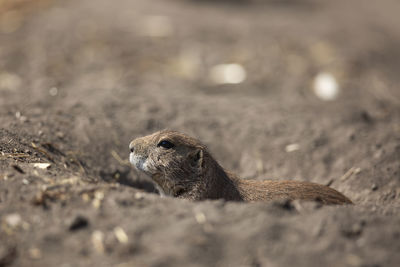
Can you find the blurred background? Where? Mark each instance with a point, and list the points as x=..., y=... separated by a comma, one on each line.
x=301, y=89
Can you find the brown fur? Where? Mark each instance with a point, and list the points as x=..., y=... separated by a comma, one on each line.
x=189, y=171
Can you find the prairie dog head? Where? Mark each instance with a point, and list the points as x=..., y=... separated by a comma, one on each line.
x=173, y=160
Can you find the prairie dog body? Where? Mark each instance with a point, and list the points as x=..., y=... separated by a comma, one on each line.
x=182, y=167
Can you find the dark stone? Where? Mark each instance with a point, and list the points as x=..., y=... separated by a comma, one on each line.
x=78, y=223
x=366, y=117
x=18, y=169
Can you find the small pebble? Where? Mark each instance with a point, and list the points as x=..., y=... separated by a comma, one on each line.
x=13, y=220
x=42, y=165
x=98, y=198
x=292, y=148
x=18, y=169
x=325, y=86
x=60, y=135
x=228, y=74
x=23, y=119
x=78, y=223
x=366, y=117
x=139, y=195
x=53, y=91
x=121, y=235
x=19, y=116
x=200, y=217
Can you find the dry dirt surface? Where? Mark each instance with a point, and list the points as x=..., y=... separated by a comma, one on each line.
x=80, y=79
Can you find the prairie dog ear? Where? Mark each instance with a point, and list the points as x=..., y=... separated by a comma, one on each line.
x=196, y=158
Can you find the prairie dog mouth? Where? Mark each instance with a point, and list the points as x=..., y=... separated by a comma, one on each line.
x=138, y=162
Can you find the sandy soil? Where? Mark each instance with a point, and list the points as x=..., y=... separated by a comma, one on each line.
x=80, y=79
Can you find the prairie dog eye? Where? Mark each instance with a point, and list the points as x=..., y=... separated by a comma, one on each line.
x=166, y=144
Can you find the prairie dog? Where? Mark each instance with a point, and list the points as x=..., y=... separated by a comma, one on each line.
x=182, y=167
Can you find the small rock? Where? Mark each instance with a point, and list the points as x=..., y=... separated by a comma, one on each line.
x=292, y=147
x=60, y=135
x=23, y=119
x=78, y=223
x=228, y=74
x=99, y=195
x=19, y=116
x=200, y=217
x=366, y=117
x=18, y=169
x=8, y=175
x=121, y=235
x=13, y=220
x=42, y=165
x=53, y=91
x=139, y=195
x=374, y=187
x=98, y=198
x=325, y=86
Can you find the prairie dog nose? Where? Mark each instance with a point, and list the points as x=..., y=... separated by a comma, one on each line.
x=131, y=147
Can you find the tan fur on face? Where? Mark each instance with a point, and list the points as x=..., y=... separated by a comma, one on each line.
x=171, y=169
x=188, y=170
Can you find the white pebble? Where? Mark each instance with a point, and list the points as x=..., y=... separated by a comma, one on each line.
x=41, y=165
x=200, y=217
x=13, y=220
x=53, y=91
x=228, y=74
x=292, y=148
x=325, y=86
x=121, y=235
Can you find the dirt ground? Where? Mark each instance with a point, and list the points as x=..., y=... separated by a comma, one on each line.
x=80, y=79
